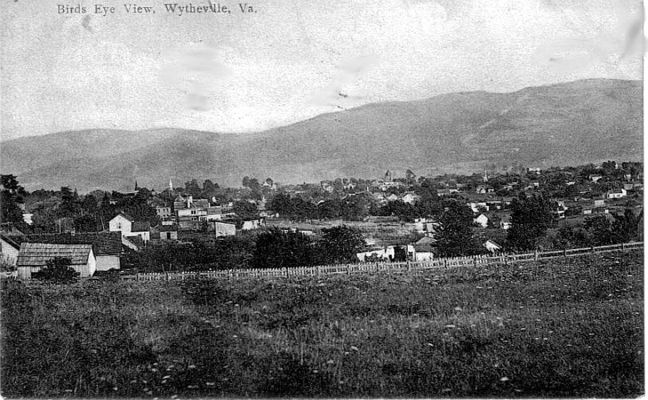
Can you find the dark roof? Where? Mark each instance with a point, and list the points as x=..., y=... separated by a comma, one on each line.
x=128, y=217
x=8, y=228
x=103, y=243
x=426, y=240
x=167, y=228
x=140, y=226
x=136, y=240
x=37, y=254
x=424, y=248
x=10, y=241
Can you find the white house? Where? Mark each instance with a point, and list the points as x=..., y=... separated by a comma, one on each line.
x=482, y=220
x=107, y=249
x=617, y=194
x=121, y=223
x=382, y=253
x=34, y=256
x=424, y=249
x=386, y=253
x=141, y=229
x=410, y=198
x=223, y=229
x=163, y=212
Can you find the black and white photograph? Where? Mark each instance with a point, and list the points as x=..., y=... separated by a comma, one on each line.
x=321, y=199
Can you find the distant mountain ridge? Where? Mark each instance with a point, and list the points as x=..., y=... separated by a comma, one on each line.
x=562, y=124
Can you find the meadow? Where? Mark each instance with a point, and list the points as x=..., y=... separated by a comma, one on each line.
x=560, y=328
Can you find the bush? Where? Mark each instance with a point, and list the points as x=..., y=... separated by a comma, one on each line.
x=57, y=271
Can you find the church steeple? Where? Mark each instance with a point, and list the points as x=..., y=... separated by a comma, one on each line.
x=170, y=185
x=136, y=187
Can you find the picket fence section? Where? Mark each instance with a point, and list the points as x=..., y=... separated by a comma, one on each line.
x=384, y=267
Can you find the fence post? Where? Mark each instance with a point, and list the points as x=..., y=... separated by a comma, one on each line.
x=622, y=246
x=565, y=253
x=348, y=267
x=535, y=254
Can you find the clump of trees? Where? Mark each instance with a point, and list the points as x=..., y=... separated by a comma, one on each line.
x=530, y=218
x=270, y=248
x=276, y=248
x=455, y=236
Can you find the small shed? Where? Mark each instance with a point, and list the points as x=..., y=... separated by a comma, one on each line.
x=224, y=229
x=34, y=256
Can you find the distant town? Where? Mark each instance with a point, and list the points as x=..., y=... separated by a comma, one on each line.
x=265, y=224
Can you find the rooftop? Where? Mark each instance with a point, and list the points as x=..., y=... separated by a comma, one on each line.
x=37, y=254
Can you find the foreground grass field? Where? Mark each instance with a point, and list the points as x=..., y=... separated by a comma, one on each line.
x=561, y=328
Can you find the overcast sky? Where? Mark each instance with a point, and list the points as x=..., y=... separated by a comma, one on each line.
x=292, y=60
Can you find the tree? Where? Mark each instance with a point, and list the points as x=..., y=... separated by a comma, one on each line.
x=530, y=219
x=626, y=227
x=89, y=204
x=280, y=249
x=281, y=203
x=329, y=209
x=571, y=237
x=12, y=194
x=209, y=186
x=455, y=236
x=340, y=244
x=600, y=231
x=69, y=202
x=410, y=177
x=57, y=270
x=192, y=188
x=245, y=209
x=85, y=223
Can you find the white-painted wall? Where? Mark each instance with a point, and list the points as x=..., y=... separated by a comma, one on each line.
x=120, y=224
x=105, y=263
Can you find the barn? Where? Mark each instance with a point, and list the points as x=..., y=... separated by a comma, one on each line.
x=34, y=256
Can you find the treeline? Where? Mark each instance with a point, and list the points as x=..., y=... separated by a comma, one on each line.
x=270, y=248
x=355, y=207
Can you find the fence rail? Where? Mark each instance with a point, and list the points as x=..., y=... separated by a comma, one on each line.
x=392, y=267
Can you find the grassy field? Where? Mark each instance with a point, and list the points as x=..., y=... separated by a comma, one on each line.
x=567, y=328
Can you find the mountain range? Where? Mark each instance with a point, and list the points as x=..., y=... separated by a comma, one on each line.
x=562, y=124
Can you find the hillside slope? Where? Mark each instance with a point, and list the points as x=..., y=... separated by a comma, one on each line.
x=563, y=124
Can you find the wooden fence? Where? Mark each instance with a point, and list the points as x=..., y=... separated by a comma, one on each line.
x=385, y=267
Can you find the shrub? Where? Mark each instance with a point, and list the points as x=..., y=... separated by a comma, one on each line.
x=57, y=271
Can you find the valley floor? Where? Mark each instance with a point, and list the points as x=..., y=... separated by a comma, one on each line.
x=559, y=328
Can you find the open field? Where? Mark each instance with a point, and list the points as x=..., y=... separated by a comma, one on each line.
x=563, y=327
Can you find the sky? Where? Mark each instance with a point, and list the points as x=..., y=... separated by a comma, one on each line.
x=291, y=60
